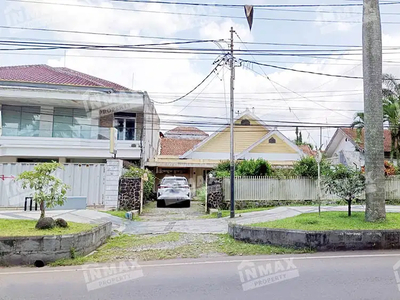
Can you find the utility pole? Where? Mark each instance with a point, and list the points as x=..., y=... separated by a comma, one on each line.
x=232, y=148
x=373, y=110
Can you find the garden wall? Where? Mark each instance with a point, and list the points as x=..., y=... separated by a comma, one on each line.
x=129, y=195
x=28, y=250
x=334, y=240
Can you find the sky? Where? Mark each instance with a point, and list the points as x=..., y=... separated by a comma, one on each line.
x=273, y=94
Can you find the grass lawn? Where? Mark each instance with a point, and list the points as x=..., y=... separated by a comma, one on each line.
x=120, y=214
x=27, y=228
x=126, y=247
x=333, y=221
x=226, y=213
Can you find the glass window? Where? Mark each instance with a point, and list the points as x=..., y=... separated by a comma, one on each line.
x=125, y=128
x=20, y=120
x=72, y=123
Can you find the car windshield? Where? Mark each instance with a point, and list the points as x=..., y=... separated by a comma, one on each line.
x=180, y=181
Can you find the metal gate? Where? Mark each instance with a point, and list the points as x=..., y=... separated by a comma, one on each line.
x=84, y=180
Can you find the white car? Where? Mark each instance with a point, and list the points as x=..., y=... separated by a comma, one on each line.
x=173, y=190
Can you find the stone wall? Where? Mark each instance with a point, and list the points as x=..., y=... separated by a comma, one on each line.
x=129, y=196
x=335, y=240
x=28, y=250
x=215, y=195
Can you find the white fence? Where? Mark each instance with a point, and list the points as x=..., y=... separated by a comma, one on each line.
x=84, y=179
x=272, y=189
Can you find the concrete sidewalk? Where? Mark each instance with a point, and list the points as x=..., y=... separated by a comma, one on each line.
x=185, y=226
x=221, y=225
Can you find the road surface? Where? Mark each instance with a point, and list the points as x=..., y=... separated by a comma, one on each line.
x=339, y=275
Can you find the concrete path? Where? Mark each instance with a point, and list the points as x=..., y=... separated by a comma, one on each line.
x=329, y=276
x=221, y=225
x=186, y=226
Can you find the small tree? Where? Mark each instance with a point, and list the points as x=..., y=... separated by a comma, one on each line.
x=258, y=167
x=49, y=190
x=345, y=183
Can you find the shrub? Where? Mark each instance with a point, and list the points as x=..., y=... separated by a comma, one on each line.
x=308, y=167
x=283, y=173
x=135, y=172
x=259, y=167
x=201, y=194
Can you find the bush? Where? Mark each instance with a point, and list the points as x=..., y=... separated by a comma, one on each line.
x=308, y=167
x=201, y=194
x=135, y=172
x=283, y=173
x=259, y=167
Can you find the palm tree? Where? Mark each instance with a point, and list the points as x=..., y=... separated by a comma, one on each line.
x=372, y=74
x=391, y=114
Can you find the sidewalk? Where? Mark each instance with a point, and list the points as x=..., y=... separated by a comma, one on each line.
x=185, y=226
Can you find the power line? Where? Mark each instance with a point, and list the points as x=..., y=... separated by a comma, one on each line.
x=242, y=5
x=301, y=71
x=192, y=90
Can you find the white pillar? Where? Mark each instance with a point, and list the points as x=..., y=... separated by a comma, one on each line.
x=113, y=173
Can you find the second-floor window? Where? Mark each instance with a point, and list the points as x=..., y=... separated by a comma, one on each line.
x=125, y=123
x=72, y=123
x=20, y=120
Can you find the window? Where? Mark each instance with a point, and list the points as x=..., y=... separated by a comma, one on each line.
x=72, y=123
x=20, y=120
x=272, y=141
x=126, y=127
x=245, y=122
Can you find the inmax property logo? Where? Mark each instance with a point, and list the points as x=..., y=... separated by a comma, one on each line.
x=254, y=276
x=97, y=277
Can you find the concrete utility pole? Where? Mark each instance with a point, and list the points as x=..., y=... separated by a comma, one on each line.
x=232, y=148
x=372, y=74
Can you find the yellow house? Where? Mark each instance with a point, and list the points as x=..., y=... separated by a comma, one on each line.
x=189, y=152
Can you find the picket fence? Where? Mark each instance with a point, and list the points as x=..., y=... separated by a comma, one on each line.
x=84, y=180
x=293, y=189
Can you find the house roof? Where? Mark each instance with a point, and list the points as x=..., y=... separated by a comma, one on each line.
x=204, y=141
x=193, y=131
x=307, y=150
x=170, y=146
x=44, y=74
x=352, y=134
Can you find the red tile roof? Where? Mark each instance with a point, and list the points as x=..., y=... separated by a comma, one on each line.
x=44, y=74
x=352, y=133
x=186, y=131
x=307, y=150
x=177, y=146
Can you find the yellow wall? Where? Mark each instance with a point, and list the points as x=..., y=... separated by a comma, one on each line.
x=244, y=138
x=279, y=147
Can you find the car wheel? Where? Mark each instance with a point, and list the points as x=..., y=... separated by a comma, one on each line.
x=186, y=203
x=160, y=203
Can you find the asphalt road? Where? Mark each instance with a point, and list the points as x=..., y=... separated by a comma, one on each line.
x=355, y=275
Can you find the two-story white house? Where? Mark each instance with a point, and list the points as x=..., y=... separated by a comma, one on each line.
x=60, y=114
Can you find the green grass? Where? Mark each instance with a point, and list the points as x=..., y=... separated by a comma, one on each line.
x=120, y=214
x=226, y=213
x=333, y=221
x=126, y=247
x=27, y=228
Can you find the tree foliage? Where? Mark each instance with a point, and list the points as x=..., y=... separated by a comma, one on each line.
x=148, y=186
x=345, y=183
x=308, y=167
x=49, y=190
x=258, y=167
